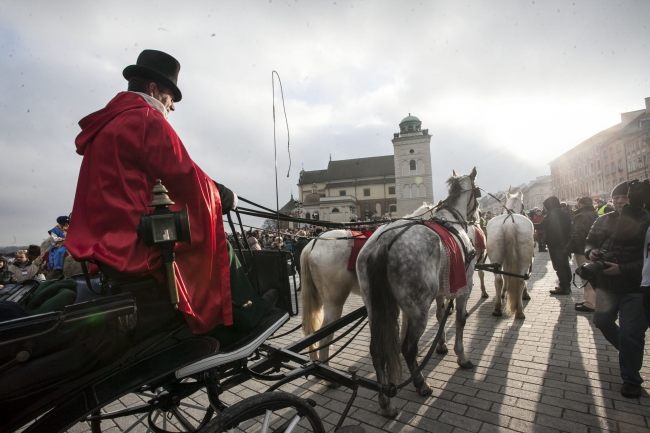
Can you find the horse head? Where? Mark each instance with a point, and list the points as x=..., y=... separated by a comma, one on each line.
x=515, y=202
x=463, y=194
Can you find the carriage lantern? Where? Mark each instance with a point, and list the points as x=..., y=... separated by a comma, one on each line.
x=163, y=228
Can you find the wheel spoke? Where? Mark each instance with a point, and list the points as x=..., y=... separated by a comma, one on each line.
x=135, y=424
x=192, y=406
x=184, y=421
x=267, y=419
x=294, y=422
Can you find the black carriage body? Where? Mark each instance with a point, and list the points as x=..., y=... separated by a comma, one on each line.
x=60, y=366
x=270, y=270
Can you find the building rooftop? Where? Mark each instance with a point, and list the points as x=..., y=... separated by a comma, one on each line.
x=374, y=166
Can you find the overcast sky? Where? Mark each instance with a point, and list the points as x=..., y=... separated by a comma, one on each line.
x=503, y=85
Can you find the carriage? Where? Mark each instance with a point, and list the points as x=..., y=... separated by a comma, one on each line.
x=46, y=385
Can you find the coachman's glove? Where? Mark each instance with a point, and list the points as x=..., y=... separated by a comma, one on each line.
x=229, y=199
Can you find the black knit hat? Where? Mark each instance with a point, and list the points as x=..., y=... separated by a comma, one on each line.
x=586, y=201
x=157, y=66
x=621, y=189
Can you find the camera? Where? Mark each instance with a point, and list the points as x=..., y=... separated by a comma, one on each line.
x=589, y=271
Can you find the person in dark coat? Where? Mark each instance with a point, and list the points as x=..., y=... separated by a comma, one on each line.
x=557, y=228
x=583, y=219
x=616, y=243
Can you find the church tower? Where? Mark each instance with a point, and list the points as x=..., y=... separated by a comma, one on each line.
x=413, y=177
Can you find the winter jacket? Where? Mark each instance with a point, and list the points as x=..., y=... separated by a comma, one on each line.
x=620, y=237
x=556, y=224
x=583, y=219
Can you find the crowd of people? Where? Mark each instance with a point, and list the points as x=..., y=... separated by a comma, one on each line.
x=44, y=262
x=610, y=245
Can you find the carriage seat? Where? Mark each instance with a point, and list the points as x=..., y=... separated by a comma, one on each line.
x=238, y=345
x=40, y=349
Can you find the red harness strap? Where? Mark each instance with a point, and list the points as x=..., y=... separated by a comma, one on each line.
x=360, y=238
x=457, y=276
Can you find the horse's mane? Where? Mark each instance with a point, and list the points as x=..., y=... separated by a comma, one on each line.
x=455, y=189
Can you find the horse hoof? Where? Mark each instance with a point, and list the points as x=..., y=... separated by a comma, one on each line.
x=425, y=390
x=466, y=365
x=484, y=295
x=497, y=313
x=520, y=316
x=442, y=350
x=525, y=297
x=389, y=412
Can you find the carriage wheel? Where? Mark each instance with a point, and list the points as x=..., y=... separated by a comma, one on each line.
x=154, y=410
x=268, y=412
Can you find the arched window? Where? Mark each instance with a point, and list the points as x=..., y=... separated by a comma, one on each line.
x=315, y=215
x=407, y=191
x=307, y=215
x=335, y=210
x=412, y=165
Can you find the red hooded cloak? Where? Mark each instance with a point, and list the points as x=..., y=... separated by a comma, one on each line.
x=126, y=146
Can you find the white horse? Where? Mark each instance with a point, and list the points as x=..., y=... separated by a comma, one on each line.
x=325, y=283
x=477, y=236
x=404, y=266
x=510, y=244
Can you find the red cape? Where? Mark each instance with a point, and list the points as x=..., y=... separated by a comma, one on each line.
x=127, y=146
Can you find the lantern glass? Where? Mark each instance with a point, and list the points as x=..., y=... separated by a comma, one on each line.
x=164, y=228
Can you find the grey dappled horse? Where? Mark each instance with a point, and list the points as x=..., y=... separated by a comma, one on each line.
x=510, y=244
x=405, y=266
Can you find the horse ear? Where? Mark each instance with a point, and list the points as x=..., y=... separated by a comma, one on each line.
x=472, y=175
x=509, y=188
x=453, y=172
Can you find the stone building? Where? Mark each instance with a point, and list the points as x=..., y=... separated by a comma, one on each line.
x=536, y=191
x=599, y=163
x=372, y=187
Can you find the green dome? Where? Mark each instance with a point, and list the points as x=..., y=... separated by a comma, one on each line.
x=410, y=124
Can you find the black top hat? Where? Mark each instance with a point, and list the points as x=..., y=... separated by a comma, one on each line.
x=158, y=66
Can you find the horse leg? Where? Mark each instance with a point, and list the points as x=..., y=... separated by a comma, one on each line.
x=441, y=348
x=498, y=285
x=525, y=296
x=461, y=319
x=332, y=311
x=481, y=277
x=521, y=289
x=415, y=328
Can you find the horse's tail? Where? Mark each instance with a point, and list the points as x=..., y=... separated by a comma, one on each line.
x=312, y=304
x=384, y=313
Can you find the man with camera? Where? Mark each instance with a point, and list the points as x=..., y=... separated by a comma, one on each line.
x=614, y=247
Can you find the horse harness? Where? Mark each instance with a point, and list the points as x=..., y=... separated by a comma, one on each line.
x=468, y=251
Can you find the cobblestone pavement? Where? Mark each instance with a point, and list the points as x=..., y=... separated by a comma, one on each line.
x=552, y=372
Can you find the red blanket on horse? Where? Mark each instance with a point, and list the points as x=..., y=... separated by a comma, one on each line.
x=457, y=276
x=479, y=241
x=360, y=238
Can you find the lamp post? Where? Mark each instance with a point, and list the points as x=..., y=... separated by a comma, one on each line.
x=163, y=228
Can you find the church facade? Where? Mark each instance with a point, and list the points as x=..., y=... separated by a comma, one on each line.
x=373, y=187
